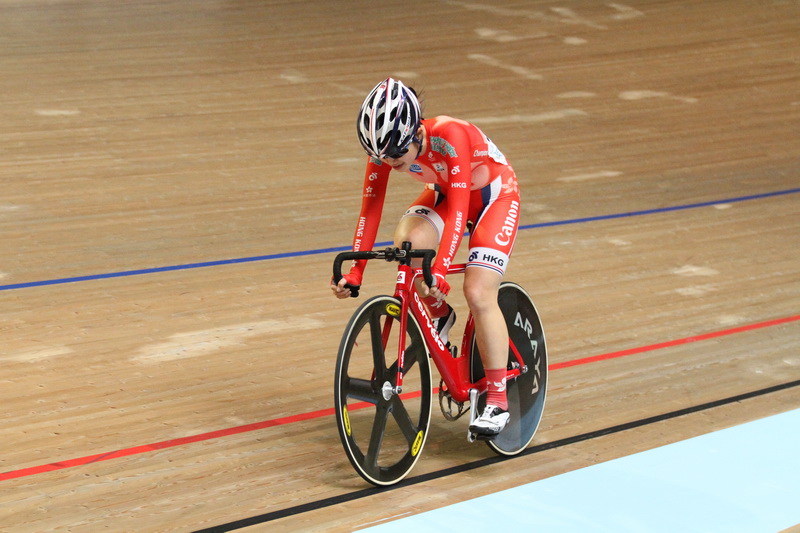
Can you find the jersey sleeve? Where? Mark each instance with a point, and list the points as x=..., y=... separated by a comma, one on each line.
x=376, y=179
x=457, y=191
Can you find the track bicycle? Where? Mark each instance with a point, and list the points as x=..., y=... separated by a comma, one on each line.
x=383, y=390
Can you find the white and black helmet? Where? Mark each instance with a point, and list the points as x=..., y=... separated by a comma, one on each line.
x=388, y=119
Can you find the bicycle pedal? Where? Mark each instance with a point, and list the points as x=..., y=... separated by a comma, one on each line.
x=472, y=437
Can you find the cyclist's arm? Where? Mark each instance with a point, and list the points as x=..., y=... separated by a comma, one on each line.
x=458, y=194
x=373, y=192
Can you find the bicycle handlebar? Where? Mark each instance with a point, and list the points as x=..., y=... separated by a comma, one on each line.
x=389, y=254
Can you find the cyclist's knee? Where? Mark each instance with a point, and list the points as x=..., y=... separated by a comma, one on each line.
x=416, y=231
x=480, y=292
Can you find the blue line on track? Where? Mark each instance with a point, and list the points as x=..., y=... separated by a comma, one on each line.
x=663, y=209
x=318, y=251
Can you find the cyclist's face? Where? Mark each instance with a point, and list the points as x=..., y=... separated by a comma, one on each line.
x=404, y=161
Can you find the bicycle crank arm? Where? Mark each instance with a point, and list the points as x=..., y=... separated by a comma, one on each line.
x=473, y=413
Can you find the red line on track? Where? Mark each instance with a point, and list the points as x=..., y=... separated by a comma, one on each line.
x=172, y=443
x=678, y=342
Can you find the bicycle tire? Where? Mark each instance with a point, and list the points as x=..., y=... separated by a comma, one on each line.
x=528, y=392
x=382, y=437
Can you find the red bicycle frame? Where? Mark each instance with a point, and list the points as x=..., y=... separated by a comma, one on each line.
x=455, y=371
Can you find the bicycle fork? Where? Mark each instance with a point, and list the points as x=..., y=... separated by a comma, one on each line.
x=403, y=271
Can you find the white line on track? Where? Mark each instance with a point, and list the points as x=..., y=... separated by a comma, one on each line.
x=208, y=341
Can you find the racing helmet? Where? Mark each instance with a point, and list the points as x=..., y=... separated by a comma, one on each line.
x=388, y=119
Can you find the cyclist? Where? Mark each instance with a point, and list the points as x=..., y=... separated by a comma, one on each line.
x=467, y=179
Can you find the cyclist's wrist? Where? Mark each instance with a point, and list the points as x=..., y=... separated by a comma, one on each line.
x=439, y=270
x=355, y=276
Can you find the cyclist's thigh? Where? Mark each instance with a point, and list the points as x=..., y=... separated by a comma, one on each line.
x=493, y=236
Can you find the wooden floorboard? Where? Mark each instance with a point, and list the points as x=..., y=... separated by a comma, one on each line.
x=173, y=174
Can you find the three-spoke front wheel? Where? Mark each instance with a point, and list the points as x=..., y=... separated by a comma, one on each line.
x=382, y=429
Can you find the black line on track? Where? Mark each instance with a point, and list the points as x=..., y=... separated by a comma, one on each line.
x=364, y=493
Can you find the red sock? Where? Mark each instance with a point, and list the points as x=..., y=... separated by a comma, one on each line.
x=438, y=308
x=496, y=393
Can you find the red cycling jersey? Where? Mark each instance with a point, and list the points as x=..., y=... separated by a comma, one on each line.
x=467, y=178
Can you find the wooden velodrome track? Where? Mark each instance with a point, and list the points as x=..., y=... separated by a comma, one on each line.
x=175, y=176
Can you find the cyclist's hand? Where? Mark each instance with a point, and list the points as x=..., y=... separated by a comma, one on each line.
x=342, y=292
x=440, y=287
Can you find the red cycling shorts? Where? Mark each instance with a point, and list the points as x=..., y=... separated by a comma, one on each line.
x=493, y=212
